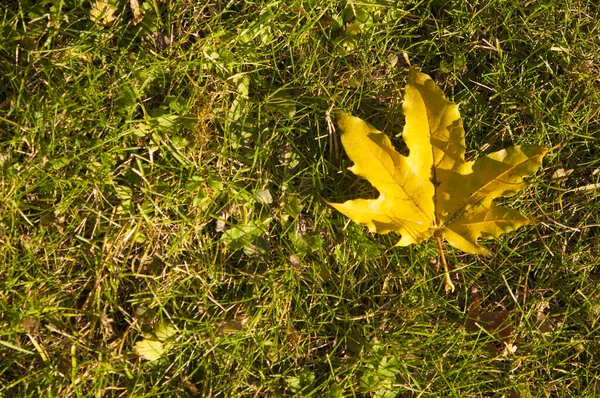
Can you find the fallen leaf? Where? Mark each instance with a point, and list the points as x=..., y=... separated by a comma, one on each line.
x=152, y=349
x=499, y=324
x=149, y=349
x=496, y=323
x=103, y=12
x=164, y=332
x=230, y=327
x=264, y=197
x=434, y=191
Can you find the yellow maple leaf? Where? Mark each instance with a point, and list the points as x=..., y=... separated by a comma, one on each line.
x=434, y=191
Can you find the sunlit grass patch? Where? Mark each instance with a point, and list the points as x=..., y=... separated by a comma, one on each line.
x=166, y=170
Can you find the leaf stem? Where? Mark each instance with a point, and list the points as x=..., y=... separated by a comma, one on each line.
x=449, y=286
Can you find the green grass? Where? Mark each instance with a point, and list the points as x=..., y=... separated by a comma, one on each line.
x=181, y=182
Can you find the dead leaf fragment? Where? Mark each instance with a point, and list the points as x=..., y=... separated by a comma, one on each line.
x=561, y=174
x=509, y=349
x=31, y=325
x=543, y=323
x=434, y=190
x=295, y=261
x=191, y=388
x=137, y=13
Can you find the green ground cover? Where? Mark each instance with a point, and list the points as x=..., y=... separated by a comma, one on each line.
x=163, y=176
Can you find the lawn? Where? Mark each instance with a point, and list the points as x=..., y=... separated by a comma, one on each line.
x=165, y=170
